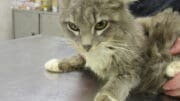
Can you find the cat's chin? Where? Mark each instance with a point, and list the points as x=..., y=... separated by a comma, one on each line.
x=98, y=60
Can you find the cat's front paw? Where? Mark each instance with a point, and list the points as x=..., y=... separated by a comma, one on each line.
x=103, y=96
x=173, y=68
x=53, y=65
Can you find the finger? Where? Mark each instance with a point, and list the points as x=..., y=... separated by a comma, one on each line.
x=174, y=93
x=176, y=48
x=173, y=84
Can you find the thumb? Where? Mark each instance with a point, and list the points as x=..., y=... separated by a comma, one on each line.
x=176, y=48
x=173, y=84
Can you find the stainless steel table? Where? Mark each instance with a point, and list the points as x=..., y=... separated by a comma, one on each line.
x=23, y=77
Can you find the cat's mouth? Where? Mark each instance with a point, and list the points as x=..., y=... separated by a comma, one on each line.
x=96, y=51
x=90, y=49
x=111, y=48
x=87, y=48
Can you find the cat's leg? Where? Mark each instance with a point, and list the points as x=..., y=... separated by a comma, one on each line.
x=117, y=89
x=65, y=65
x=173, y=68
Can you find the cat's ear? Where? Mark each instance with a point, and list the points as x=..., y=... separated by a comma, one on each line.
x=116, y=3
x=128, y=1
x=64, y=3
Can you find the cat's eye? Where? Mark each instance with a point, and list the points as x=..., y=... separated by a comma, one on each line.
x=73, y=27
x=101, y=25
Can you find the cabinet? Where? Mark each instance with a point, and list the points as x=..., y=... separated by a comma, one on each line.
x=49, y=24
x=25, y=23
x=30, y=23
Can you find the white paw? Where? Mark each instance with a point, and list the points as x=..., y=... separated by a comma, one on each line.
x=52, y=65
x=173, y=68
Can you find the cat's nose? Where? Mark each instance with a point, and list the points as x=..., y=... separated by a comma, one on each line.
x=87, y=47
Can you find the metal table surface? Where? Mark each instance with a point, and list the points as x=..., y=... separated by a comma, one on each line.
x=23, y=77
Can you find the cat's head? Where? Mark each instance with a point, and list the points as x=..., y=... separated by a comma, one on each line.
x=89, y=23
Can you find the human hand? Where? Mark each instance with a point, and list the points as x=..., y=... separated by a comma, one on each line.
x=172, y=87
x=176, y=48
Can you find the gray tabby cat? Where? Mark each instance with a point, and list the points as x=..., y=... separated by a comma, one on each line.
x=128, y=54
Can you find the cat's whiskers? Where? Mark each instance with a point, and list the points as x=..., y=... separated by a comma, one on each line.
x=123, y=48
x=78, y=47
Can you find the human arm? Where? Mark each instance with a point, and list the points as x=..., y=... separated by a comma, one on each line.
x=172, y=87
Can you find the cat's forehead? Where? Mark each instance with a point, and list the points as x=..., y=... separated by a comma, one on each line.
x=96, y=5
x=82, y=15
x=91, y=10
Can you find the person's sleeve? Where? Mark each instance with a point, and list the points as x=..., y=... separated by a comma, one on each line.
x=152, y=7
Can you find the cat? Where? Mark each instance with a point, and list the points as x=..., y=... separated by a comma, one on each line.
x=129, y=54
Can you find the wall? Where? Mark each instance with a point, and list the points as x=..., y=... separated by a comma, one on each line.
x=5, y=20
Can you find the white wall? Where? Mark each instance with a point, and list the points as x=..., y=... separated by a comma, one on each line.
x=5, y=20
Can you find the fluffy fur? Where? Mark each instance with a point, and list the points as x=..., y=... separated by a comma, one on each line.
x=162, y=30
x=129, y=54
